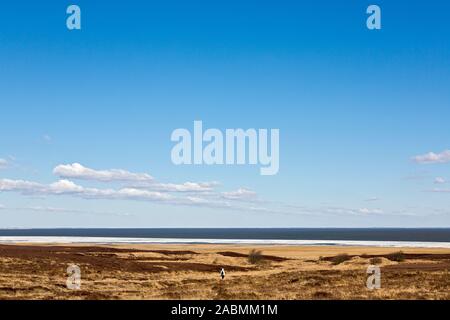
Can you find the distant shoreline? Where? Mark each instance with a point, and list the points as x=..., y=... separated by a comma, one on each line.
x=175, y=241
x=192, y=272
x=333, y=237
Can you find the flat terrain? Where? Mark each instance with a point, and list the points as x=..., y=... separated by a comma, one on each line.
x=192, y=272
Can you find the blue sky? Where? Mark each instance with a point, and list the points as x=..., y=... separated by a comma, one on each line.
x=354, y=107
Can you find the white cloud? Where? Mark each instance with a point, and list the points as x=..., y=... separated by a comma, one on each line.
x=47, y=138
x=240, y=194
x=439, y=180
x=183, y=187
x=133, y=180
x=241, y=200
x=145, y=188
x=69, y=188
x=187, y=186
x=58, y=210
x=438, y=190
x=66, y=187
x=77, y=171
x=136, y=194
x=50, y=209
x=3, y=164
x=20, y=185
x=370, y=211
x=432, y=157
x=142, y=187
x=348, y=211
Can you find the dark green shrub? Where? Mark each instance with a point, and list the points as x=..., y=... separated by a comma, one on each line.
x=340, y=259
x=397, y=256
x=255, y=257
x=376, y=260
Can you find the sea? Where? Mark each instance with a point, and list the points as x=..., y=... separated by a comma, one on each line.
x=378, y=237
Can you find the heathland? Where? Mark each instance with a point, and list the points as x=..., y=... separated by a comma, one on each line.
x=192, y=272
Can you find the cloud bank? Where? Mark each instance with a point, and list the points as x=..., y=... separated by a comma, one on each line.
x=432, y=157
x=139, y=187
x=77, y=171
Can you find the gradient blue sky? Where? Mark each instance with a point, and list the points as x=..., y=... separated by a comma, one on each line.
x=353, y=107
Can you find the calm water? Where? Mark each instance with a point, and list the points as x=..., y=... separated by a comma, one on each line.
x=410, y=235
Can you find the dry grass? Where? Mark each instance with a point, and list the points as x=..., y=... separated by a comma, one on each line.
x=140, y=272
